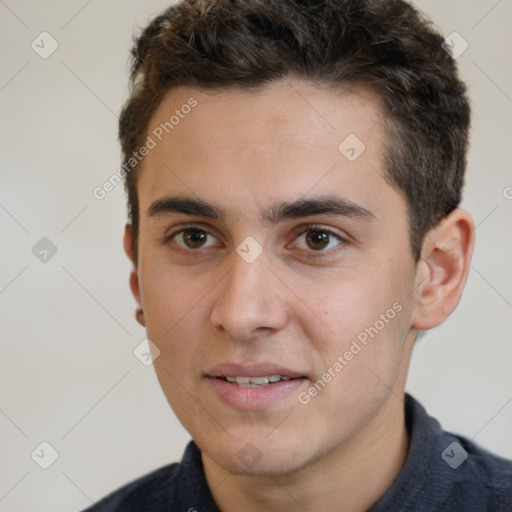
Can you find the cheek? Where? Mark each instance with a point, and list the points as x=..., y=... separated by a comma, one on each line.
x=173, y=307
x=168, y=291
x=344, y=310
x=359, y=365
x=363, y=318
x=163, y=299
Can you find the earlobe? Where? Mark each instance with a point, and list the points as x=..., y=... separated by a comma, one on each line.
x=139, y=316
x=134, y=286
x=128, y=244
x=443, y=270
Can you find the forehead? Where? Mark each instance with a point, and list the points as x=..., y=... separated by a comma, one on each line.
x=275, y=144
x=292, y=112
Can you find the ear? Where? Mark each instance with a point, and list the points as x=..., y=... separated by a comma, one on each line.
x=443, y=269
x=129, y=249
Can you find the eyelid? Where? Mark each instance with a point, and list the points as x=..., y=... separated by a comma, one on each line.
x=319, y=227
x=344, y=240
x=183, y=227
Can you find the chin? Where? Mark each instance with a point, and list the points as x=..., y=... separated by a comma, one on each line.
x=262, y=457
x=269, y=464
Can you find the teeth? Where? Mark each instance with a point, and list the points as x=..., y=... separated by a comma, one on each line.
x=259, y=380
x=255, y=382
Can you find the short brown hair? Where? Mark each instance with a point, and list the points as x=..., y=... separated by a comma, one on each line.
x=384, y=44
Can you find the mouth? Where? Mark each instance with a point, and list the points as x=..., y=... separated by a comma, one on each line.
x=255, y=382
x=255, y=386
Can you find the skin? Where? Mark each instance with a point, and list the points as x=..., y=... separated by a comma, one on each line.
x=297, y=304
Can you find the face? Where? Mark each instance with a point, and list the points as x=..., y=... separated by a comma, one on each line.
x=274, y=271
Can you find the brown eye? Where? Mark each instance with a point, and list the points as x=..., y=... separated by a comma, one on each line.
x=317, y=240
x=192, y=238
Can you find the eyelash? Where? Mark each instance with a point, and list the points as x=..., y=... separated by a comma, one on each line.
x=308, y=254
x=318, y=254
x=196, y=227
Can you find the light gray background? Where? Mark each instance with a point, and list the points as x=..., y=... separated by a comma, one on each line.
x=68, y=374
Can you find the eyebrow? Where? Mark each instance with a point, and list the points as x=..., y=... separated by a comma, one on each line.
x=321, y=205
x=186, y=206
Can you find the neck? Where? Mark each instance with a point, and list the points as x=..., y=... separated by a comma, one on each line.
x=349, y=479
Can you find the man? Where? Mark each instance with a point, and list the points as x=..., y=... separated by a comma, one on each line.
x=293, y=172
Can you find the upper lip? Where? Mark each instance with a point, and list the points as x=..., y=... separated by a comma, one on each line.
x=252, y=370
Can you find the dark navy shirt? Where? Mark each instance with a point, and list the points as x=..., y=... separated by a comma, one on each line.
x=443, y=472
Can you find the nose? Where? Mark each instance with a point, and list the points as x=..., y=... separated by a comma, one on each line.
x=251, y=301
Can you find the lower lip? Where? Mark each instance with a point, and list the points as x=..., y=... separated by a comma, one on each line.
x=255, y=398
